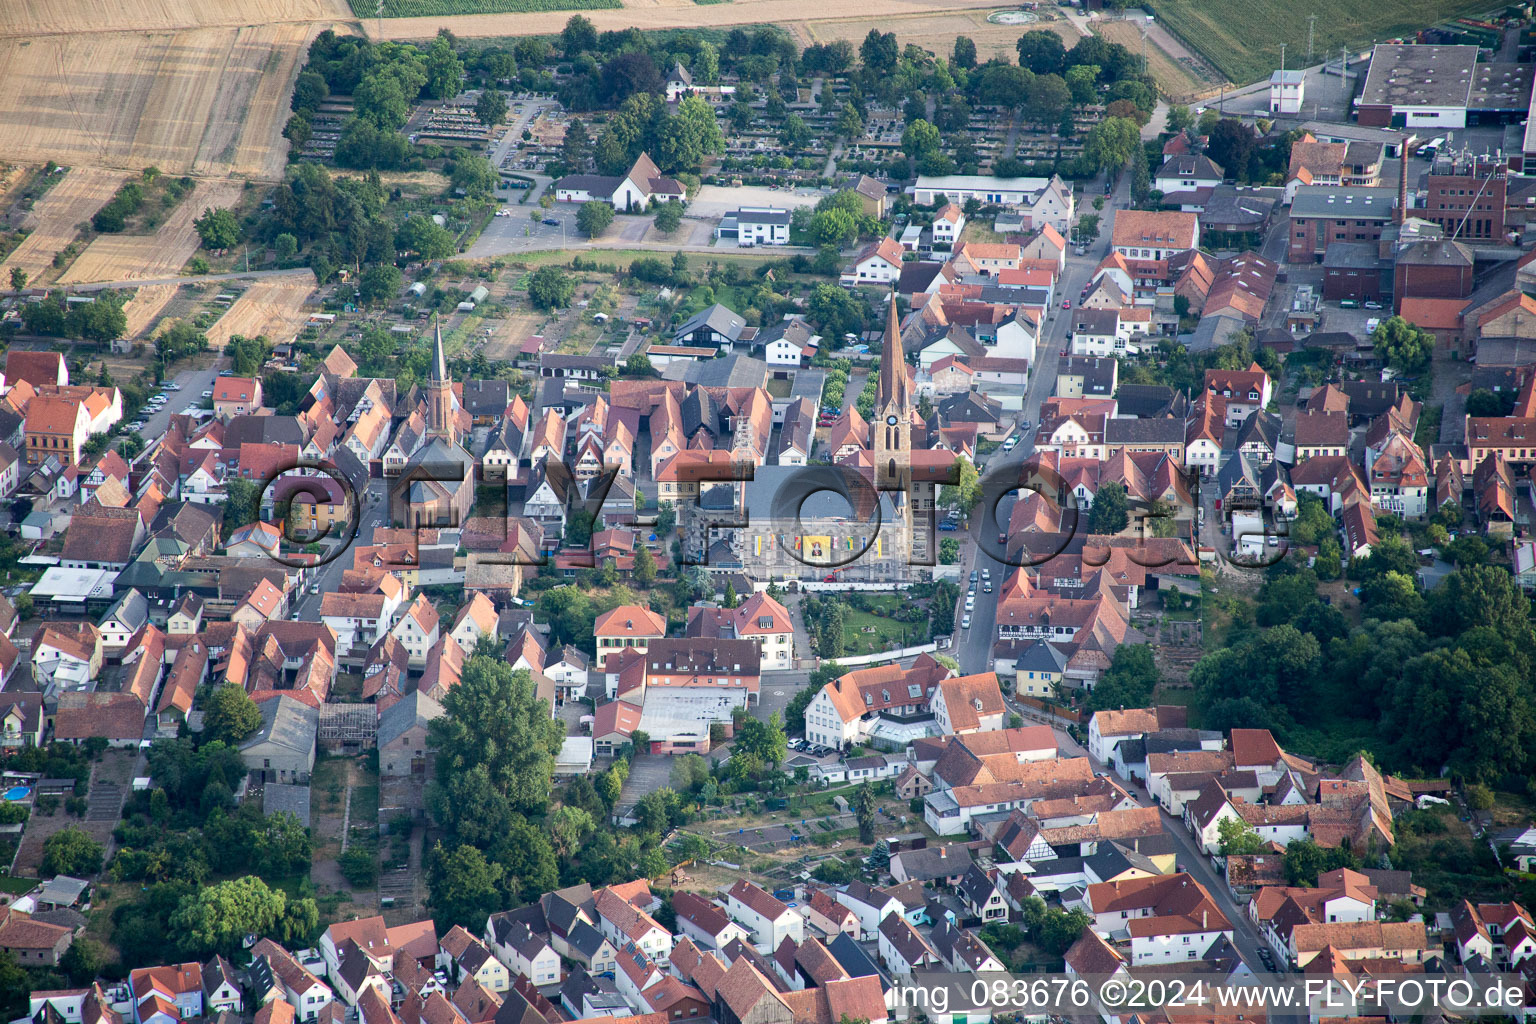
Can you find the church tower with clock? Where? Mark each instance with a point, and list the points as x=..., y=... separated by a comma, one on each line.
x=891, y=428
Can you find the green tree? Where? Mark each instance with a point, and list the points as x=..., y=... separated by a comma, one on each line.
x=920, y=138
x=864, y=812
x=287, y=248
x=578, y=36
x=493, y=719
x=1041, y=52
x=551, y=288
x=1402, y=345
x=463, y=888
x=380, y=283
x=645, y=567
x=283, y=846
x=18, y=278
x=491, y=107
x=83, y=960
x=71, y=851
x=102, y=321
x=834, y=311
x=445, y=71
x=230, y=715
x=793, y=133
x=949, y=551
x=849, y=124
x=423, y=237
x=833, y=227
x=1111, y=143
x=359, y=866
x=594, y=217
x=298, y=130
x=218, y=229
x=246, y=355
x=669, y=217
x=474, y=174
x=964, y=54
x=178, y=341
x=765, y=740
x=576, y=149
x=1110, y=513
x=1082, y=82
x=1129, y=682
x=1049, y=97
x=1238, y=837
x=217, y=918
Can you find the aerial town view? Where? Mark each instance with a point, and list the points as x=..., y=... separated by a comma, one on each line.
x=755, y=512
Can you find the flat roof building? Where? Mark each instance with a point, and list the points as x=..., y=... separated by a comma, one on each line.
x=1418, y=86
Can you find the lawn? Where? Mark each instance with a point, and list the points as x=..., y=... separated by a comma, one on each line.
x=17, y=886
x=1243, y=37
x=867, y=632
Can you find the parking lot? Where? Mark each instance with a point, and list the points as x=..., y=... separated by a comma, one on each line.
x=190, y=385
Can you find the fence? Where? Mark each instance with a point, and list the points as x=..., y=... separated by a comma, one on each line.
x=881, y=657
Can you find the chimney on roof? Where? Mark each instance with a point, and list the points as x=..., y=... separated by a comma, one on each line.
x=1402, y=194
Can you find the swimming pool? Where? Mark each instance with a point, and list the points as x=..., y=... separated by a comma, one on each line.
x=16, y=793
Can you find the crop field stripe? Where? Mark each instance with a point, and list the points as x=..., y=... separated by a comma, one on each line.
x=1242, y=38
x=447, y=8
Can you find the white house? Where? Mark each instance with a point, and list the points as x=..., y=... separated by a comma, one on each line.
x=417, y=629
x=878, y=263
x=769, y=920
x=968, y=704
x=902, y=949
x=705, y=922
x=869, y=904
x=755, y=225
x=948, y=225
x=475, y=620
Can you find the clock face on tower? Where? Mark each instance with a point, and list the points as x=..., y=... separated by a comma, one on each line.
x=891, y=420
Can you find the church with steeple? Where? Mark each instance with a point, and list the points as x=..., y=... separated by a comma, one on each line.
x=891, y=428
x=893, y=545
x=440, y=477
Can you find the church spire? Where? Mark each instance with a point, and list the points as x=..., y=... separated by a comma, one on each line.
x=440, y=403
x=895, y=385
x=439, y=361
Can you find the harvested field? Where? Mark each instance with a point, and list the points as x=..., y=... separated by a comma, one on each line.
x=935, y=31
x=144, y=309
x=271, y=305
x=55, y=220
x=69, y=17
x=162, y=254
x=515, y=329
x=1175, y=81
x=201, y=101
x=651, y=16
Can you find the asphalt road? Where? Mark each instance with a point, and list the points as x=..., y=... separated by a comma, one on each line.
x=193, y=384
x=375, y=504
x=975, y=644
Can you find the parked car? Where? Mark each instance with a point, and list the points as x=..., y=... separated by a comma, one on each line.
x=552, y=222
x=965, y=623
x=207, y=394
